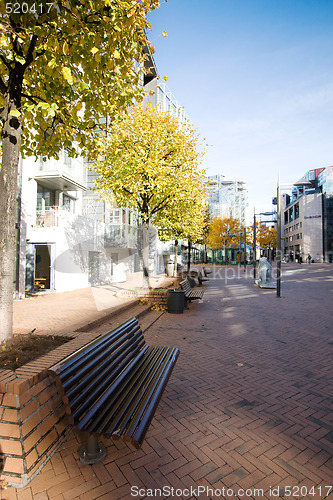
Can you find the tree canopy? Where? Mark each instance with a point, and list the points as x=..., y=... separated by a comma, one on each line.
x=223, y=232
x=149, y=161
x=266, y=237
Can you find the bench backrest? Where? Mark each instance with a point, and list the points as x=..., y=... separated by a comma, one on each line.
x=186, y=286
x=101, y=363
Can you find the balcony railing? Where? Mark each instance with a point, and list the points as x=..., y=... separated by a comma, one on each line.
x=53, y=217
x=65, y=173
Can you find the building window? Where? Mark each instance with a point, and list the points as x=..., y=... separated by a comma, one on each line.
x=286, y=217
x=296, y=210
x=68, y=203
x=45, y=198
x=114, y=216
x=291, y=214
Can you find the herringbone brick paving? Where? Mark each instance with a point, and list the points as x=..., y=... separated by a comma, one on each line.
x=247, y=413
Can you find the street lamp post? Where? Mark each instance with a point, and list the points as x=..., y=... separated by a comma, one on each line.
x=278, y=253
x=254, y=247
x=244, y=249
x=241, y=235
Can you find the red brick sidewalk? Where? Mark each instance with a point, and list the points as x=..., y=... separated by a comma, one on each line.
x=57, y=313
x=247, y=413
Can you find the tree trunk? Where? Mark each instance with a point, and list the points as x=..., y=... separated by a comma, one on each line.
x=145, y=254
x=189, y=257
x=11, y=142
x=175, y=273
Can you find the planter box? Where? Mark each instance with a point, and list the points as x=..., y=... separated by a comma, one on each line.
x=153, y=297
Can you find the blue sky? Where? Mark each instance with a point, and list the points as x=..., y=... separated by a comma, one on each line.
x=256, y=79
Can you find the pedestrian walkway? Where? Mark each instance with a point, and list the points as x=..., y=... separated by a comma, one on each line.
x=247, y=413
x=57, y=313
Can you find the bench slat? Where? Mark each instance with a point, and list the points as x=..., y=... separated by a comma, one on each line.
x=139, y=435
x=190, y=293
x=120, y=394
x=64, y=369
x=130, y=411
x=124, y=370
x=94, y=378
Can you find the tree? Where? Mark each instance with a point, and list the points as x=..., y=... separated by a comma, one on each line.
x=223, y=232
x=266, y=237
x=186, y=217
x=63, y=65
x=150, y=160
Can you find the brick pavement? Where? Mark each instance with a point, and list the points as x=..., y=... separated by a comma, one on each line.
x=249, y=405
x=60, y=313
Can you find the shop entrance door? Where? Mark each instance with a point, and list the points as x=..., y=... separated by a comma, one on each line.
x=42, y=267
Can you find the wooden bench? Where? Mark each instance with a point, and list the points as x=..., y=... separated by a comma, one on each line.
x=201, y=279
x=206, y=271
x=190, y=293
x=112, y=387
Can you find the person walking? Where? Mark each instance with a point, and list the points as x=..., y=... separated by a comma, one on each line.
x=309, y=258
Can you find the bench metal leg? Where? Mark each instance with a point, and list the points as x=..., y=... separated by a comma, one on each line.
x=92, y=452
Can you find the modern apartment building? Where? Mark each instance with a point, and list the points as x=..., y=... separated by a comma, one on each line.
x=307, y=217
x=228, y=197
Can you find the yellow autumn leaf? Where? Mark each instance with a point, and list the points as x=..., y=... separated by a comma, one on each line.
x=94, y=50
x=164, y=34
x=67, y=74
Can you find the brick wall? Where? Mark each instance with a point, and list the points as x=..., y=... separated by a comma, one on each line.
x=32, y=425
x=33, y=422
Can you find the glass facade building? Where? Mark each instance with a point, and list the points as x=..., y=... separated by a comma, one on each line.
x=227, y=198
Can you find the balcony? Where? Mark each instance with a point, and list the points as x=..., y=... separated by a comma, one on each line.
x=53, y=217
x=65, y=174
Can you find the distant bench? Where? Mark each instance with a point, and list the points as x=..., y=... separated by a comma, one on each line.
x=206, y=271
x=190, y=293
x=201, y=279
x=112, y=386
